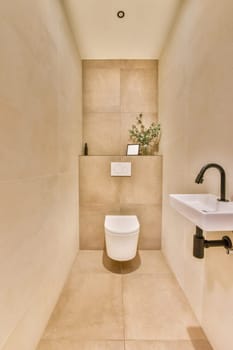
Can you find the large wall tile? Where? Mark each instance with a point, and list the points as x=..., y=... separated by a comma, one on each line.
x=144, y=186
x=101, y=64
x=102, y=132
x=101, y=90
x=36, y=236
x=139, y=64
x=29, y=203
x=138, y=90
x=122, y=64
x=92, y=224
x=149, y=217
x=96, y=183
x=27, y=144
x=40, y=139
x=195, y=106
x=69, y=127
x=101, y=194
x=133, y=83
x=107, y=133
x=30, y=214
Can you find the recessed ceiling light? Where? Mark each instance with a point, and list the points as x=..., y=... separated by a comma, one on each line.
x=120, y=14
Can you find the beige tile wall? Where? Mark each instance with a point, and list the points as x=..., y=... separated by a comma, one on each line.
x=196, y=111
x=114, y=93
x=40, y=138
x=101, y=194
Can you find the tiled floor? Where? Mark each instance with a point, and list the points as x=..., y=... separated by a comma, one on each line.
x=141, y=310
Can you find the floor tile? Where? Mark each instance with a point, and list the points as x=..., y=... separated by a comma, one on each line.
x=155, y=309
x=168, y=345
x=80, y=345
x=88, y=261
x=89, y=308
x=152, y=261
x=93, y=261
x=105, y=302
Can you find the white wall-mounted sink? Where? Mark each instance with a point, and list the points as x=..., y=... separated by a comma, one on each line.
x=204, y=210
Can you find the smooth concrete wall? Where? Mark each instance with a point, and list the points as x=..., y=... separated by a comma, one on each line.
x=196, y=112
x=40, y=139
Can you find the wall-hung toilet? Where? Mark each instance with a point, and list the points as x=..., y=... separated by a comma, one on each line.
x=121, y=236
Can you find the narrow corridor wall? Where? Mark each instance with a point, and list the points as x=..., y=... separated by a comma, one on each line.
x=40, y=139
x=196, y=112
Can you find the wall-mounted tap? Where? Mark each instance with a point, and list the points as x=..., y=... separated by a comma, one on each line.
x=200, y=178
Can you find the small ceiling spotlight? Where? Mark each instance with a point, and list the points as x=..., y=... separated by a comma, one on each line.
x=120, y=14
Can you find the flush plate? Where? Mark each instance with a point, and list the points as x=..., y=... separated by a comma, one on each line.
x=120, y=168
x=204, y=210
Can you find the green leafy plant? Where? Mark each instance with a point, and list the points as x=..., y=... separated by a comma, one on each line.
x=145, y=136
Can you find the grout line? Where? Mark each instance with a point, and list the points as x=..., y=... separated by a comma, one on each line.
x=123, y=308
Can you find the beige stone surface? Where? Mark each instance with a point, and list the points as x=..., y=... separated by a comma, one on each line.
x=101, y=194
x=168, y=345
x=138, y=90
x=115, y=92
x=40, y=139
x=144, y=309
x=149, y=217
x=89, y=308
x=97, y=186
x=81, y=345
x=47, y=203
x=92, y=224
x=139, y=64
x=195, y=109
x=101, y=90
x=152, y=305
x=101, y=64
x=123, y=64
x=27, y=332
x=144, y=185
x=102, y=132
x=87, y=261
x=152, y=261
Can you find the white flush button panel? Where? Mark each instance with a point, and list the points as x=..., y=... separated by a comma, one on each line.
x=120, y=168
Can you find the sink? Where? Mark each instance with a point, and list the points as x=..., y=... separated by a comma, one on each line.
x=204, y=210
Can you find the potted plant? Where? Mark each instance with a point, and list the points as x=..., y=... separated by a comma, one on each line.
x=146, y=137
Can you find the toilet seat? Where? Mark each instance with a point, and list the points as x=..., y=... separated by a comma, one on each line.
x=121, y=236
x=121, y=224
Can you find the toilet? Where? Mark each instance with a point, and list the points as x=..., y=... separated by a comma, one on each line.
x=121, y=236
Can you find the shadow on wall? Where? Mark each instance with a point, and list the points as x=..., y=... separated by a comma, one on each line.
x=198, y=344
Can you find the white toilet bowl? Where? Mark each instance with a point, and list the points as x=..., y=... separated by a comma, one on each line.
x=121, y=236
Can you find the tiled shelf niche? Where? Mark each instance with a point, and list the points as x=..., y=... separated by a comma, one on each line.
x=115, y=92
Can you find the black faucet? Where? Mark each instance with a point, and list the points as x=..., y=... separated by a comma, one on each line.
x=199, y=179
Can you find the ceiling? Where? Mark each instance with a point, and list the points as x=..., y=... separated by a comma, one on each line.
x=141, y=34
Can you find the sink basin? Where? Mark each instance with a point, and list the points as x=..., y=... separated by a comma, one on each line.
x=204, y=210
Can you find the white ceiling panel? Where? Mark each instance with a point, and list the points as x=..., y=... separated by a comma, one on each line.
x=141, y=34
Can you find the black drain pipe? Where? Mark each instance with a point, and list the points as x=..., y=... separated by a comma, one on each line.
x=200, y=243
